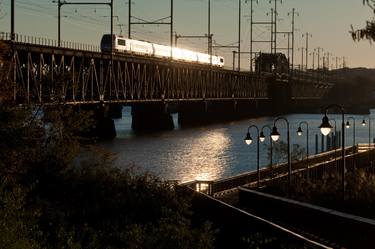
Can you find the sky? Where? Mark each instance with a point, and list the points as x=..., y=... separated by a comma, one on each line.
x=328, y=22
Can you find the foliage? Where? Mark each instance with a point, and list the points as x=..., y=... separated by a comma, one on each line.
x=57, y=193
x=327, y=191
x=258, y=240
x=280, y=152
x=368, y=32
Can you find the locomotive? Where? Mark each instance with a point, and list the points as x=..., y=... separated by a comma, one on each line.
x=124, y=45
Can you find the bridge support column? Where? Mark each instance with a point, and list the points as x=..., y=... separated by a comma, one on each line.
x=149, y=117
x=104, y=127
x=204, y=112
x=278, y=91
x=115, y=111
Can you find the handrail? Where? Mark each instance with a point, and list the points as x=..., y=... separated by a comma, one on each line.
x=26, y=39
x=225, y=184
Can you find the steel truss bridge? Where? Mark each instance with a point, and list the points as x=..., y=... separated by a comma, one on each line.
x=80, y=74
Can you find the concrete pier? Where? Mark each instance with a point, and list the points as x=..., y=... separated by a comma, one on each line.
x=104, y=127
x=151, y=117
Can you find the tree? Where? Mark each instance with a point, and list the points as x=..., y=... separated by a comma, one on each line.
x=55, y=192
x=280, y=152
x=368, y=32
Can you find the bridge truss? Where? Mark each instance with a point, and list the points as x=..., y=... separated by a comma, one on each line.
x=79, y=74
x=46, y=74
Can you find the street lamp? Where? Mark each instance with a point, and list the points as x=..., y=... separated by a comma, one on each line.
x=262, y=138
x=335, y=143
x=369, y=136
x=348, y=126
x=369, y=130
x=299, y=133
x=248, y=141
x=275, y=135
x=325, y=128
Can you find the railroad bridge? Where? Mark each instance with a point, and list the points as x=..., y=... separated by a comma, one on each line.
x=79, y=74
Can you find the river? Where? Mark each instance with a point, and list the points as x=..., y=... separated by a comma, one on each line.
x=213, y=151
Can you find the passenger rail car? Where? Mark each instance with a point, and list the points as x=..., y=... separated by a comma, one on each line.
x=123, y=45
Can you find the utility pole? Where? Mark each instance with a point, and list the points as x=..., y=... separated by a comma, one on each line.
x=343, y=62
x=209, y=27
x=252, y=41
x=288, y=34
x=328, y=55
x=13, y=35
x=302, y=50
x=251, y=35
x=307, y=35
x=171, y=32
x=209, y=35
x=251, y=32
x=319, y=50
x=289, y=47
x=60, y=3
x=129, y=19
x=313, y=61
x=160, y=21
x=239, y=35
x=272, y=31
x=274, y=21
x=293, y=14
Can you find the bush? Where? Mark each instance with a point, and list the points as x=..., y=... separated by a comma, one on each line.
x=327, y=191
x=57, y=193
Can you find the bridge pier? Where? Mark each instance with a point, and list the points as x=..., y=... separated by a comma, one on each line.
x=279, y=93
x=115, y=111
x=151, y=117
x=205, y=112
x=104, y=126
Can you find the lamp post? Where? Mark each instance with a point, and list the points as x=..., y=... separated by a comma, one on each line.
x=326, y=128
x=369, y=130
x=299, y=133
x=262, y=138
x=348, y=126
x=334, y=120
x=275, y=135
x=248, y=141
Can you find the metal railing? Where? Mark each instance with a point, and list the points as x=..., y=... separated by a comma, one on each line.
x=318, y=165
x=42, y=41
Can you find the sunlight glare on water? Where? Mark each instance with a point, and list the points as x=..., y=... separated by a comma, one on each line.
x=206, y=156
x=211, y=152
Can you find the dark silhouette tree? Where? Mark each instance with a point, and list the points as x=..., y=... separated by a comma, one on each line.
x=368, y=32
x=55, y=192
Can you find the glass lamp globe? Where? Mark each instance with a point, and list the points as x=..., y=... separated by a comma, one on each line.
x=363, y=122
x=248, y=139
x=275, y=135
x=262, y=137
x=325, y=127
x=299, y=131
x=347, y=125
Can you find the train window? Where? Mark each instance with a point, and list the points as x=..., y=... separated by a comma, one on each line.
x=221, y=60
x=121, y=42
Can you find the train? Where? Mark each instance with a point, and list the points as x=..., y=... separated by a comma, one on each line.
x=124, y=45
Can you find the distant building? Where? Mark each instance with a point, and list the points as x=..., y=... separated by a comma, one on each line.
x=272, y=63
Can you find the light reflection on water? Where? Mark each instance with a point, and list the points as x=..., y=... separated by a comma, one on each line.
x=204, y=155
x=210, y=152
